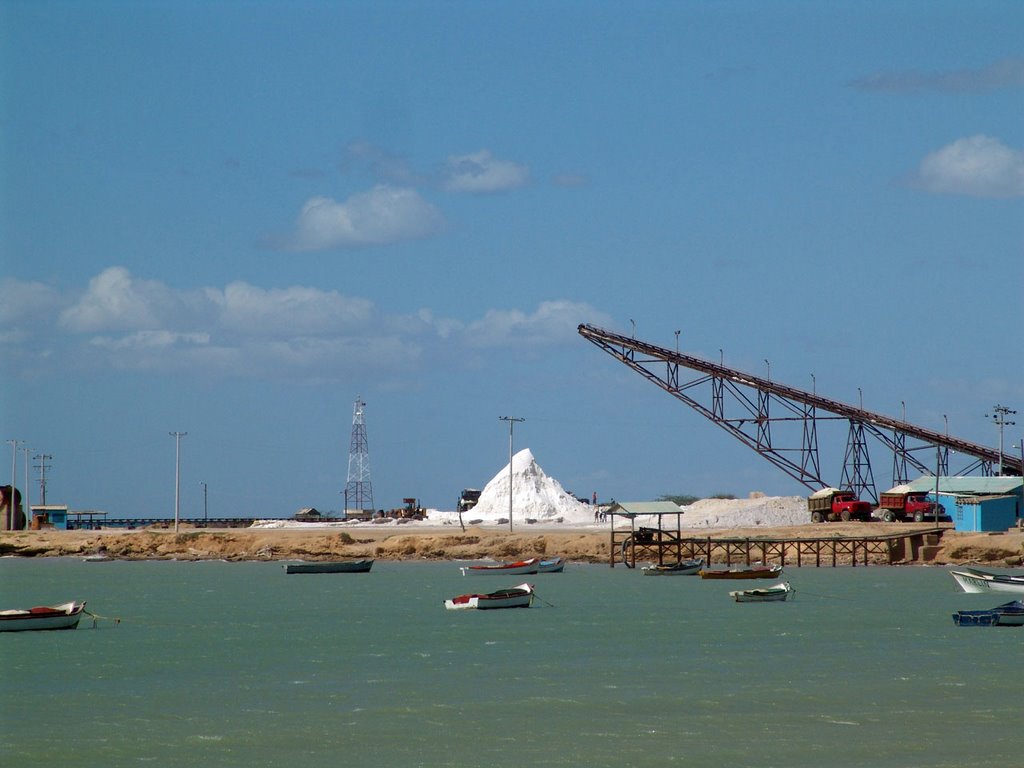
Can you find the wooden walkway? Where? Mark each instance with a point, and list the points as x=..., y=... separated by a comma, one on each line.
x=662, y=546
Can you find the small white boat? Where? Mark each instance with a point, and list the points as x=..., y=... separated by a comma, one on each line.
x=514, y=597
x=774, y=593
x=974, y=580
x=682, y=568
x=742, y=572
x=551, y=565
x=517, y=568
x=63, y=616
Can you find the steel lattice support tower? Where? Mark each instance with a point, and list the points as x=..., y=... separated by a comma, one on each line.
x=769, y=417
x=358, y=489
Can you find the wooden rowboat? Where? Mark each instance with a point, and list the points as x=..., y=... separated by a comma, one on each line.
x=63, y=616
x=745, y=572
x=337, y=566
x=682, y=568
x=774, y=593
x=517, y=568
x=1009, y=614
x=551, y=565
x=974, y=580
x=514, y=597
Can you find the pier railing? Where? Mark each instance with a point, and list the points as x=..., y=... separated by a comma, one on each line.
x=664, y=547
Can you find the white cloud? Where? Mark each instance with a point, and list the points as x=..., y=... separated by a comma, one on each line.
x=299, y=310
x=553, y=322
x=482, y=172
x=978, y=166
x=26, y=301
x=1005, y=73
x=383, y=215
x=114, y=300
x=120, y=321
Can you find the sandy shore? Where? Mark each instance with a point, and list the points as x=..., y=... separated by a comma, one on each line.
x=425, y=542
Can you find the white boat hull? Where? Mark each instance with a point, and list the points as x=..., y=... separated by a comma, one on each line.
x=777, y=593
x=688, y=568
x=517, y=597
x=63, y=616
x=979, y=581
x=518, y=568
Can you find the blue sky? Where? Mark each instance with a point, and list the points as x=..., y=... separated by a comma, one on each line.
x=231, y=219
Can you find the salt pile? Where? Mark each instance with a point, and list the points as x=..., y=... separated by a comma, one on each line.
x=767, y=511
x=535, y=496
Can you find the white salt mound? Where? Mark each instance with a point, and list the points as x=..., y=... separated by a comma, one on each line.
x=767, y=511
x=535, y=496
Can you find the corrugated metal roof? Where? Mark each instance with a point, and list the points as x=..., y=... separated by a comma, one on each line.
x=644, y=508
x=969, y=484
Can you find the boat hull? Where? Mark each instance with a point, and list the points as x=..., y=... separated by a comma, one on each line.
x=774, y=594
x=554, y=565
x=971, y=580
x=518, y=568
x=63, y=616
x=685, y=568
x=515, y=597
x=1006, y=615
x=344, y=566
x=754, y=572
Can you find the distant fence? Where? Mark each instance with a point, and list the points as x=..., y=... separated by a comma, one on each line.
x=192, y=522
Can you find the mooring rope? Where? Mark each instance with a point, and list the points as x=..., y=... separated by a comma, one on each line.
x=96, y=616
x=549, y=605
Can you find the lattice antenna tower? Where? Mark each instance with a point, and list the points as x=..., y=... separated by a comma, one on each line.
x=359, y=489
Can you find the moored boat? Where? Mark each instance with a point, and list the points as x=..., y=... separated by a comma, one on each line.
x=513, y=597
x=335, y=566
x=517, y=568
x=774, y=593
x=743, y=572
x=1009, y=614
x=63, y=616
x=682, y=568
x=551, y=565
x=975, y=580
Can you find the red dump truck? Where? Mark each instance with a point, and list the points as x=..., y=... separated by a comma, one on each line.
x=905, y=505
x=832, y=504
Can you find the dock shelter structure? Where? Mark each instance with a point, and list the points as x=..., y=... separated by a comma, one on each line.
x=659, y=542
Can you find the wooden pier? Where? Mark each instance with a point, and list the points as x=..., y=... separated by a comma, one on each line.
x=665, y=546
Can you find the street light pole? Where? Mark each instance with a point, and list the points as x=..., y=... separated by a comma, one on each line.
x=8, y=524
x=511, y=424
x=26, y=500
x=177, y=474
x=205, y=516
x=999, y=417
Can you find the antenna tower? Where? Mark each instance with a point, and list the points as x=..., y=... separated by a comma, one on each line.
x=358, y=489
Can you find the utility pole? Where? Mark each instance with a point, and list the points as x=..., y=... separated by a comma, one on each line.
x=26, y=500
x=42, y=458
x=999, y=417
x=511, y=424
x=205, y=515
x=9, y=522
x=177, y=474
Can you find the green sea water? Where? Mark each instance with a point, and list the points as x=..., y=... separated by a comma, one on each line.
x=237, y=664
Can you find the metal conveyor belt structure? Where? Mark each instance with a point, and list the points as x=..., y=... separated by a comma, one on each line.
x=748, y=406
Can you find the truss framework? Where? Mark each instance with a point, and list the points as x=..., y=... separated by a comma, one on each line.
x=358, y=488
x=747, y=407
